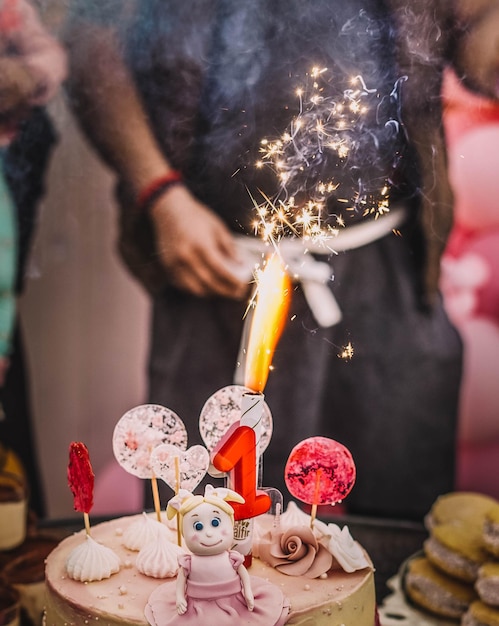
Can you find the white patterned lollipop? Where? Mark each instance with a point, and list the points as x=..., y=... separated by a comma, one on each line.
x=180, y=469
x=222, y=409
x=142, y=429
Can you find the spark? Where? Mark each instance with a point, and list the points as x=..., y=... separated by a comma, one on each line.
x=347, y=352
x=325, y=130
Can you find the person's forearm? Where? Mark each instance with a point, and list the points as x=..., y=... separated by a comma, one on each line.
x=106, y=103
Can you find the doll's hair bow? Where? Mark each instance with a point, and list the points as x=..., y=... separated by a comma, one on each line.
x=184, y=500
x=222, y=493
x=181, y=496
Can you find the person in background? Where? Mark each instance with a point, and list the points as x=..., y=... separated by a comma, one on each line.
x=33, y=65
x=177, y=97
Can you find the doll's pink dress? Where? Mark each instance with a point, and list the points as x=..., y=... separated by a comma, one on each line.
x=214, y=596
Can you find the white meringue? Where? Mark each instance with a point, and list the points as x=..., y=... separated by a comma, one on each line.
x=345, y=550
x=91, y=561
x=141, y=532
x=159, y=557
x=294, y=516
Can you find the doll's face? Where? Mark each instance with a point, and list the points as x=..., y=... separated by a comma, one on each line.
x=207, y=530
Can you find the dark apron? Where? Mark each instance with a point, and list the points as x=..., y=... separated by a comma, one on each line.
x=216, y=78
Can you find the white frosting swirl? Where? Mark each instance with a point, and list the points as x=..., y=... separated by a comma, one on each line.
x=91, y=561
x=293, y=516
x=345, y=550
x=141, y=532
x=159, y=557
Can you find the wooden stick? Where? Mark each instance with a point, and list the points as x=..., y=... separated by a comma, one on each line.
x=87, y=523
x=313, y=512
x=155, y=495
x=177, y=487
x=313, y=515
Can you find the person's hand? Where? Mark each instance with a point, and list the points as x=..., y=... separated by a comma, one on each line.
x=196, y=248
x=17, y=86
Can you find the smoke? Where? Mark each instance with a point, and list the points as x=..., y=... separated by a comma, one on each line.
x=217, y=77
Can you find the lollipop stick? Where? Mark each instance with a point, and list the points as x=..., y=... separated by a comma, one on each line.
x=177, y=487
x=313, y=515
x=155, y=496
x=87, y=523
x=313, y=512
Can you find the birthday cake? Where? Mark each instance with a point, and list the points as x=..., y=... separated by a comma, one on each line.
x=220, y=557
x=336, y=598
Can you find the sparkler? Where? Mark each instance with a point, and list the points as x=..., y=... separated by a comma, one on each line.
x=328, y=134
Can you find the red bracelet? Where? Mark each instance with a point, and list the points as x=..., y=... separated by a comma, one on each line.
x=156, y=188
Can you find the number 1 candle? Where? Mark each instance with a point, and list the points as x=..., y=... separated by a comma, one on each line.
x=238, y=452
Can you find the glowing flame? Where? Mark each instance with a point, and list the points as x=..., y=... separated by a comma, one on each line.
x=269, y=317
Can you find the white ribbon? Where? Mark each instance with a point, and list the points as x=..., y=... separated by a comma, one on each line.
x=313, y=274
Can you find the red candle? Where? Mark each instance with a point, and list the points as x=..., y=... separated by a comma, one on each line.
x=236, y=454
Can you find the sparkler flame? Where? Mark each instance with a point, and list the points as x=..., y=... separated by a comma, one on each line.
x=269, y=318
x=326, y=165
x=327, y=135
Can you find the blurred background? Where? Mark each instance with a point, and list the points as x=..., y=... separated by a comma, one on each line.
x=86, y=321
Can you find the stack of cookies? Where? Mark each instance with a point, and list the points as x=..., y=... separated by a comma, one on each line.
x=457, y=575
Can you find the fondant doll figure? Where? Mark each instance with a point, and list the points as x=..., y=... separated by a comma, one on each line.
x=213, y=586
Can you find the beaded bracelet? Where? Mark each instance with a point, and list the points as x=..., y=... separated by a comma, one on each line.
x=156, y=188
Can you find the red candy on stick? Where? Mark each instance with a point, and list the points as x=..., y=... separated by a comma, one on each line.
x=81, y=478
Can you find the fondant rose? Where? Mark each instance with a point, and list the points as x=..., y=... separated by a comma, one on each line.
x=295, y=552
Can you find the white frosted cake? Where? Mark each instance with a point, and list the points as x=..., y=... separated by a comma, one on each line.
x=335, y=598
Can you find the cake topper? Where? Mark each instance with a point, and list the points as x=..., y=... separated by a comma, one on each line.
x=319, y=471
x=138, y=432
x=212, y=580
x=81, y=480
x=223, y=409
x=239, y=452
x=90, y=560
x=180, y=469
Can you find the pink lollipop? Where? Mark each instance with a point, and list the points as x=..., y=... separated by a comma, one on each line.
x=220, y=412
x=320, y=471
x=180, y=469
x=142, y=429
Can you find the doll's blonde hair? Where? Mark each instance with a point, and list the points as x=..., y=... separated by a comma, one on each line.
x=185, y=501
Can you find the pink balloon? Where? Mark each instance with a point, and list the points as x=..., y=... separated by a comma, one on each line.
x=486, y=246
x=473, y=168
x=470, y=278
x=480, y=392
x=320, y=471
